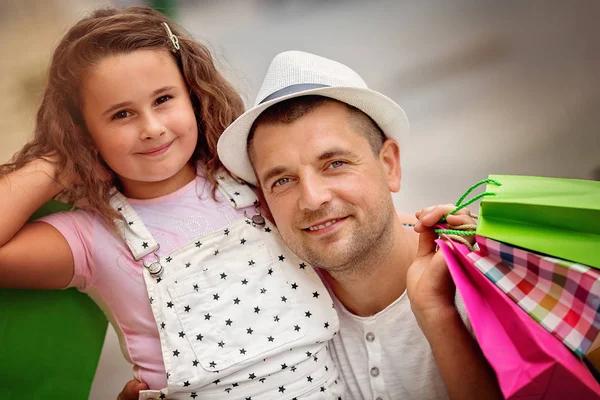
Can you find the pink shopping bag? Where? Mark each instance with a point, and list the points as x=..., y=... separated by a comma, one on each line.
x=528, y=361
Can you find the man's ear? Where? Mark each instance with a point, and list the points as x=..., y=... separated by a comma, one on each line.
x=389, y=157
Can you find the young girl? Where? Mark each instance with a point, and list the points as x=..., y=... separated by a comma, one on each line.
x=206, y=299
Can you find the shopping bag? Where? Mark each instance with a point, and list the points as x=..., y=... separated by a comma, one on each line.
x=528, y=361
x=553, y=216
x=564, y=297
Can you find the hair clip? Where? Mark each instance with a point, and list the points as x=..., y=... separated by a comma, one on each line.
x=174, y=39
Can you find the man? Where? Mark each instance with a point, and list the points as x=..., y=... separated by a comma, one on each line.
x=324, y=150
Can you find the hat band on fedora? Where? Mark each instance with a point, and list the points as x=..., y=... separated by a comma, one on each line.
x=300, y=87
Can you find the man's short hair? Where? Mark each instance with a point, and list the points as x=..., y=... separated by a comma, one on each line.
x=290, y=110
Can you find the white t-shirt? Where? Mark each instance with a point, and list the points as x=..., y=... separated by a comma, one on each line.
x=386, y=356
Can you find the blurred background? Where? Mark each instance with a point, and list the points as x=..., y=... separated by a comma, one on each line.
x=490, y=87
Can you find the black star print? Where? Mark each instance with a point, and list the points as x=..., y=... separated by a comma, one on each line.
x=316, y=358
x=326, y=368
x=120, y=209
x=243, y=241
x=323, y=388
x=236, y=301
x=176, y=353
x=216, y=252
x=235, y=384
x=249, y=331
x=295, y=286
x=308, y=354
x=326, y=325
x=151, y=300
x=281, y=389
x=284, y=299
x=296, y=328
x=145, y=245
x=283, y=366
x=228, y=390
x=248, y=398
x=162, y=325
x=228, y=322
x=162, y=396
x=130, y=223
x=262, y=380
x=236, y=193
x=195, y=363
x=293, y=369
x=193, y=395
x=216, y=296
x=198, y=244
x=186, y=383
x=245, y=281
x=271, y=339
x=256, y=310
x=206, y=317
x=226, y=232
x=221, y=344
x=308, y=314
x=267, y=229
x=199, y=337
x=168, y=259
x=309, y=378
x=187, y=308
x=248, y=222
x=270, y=271
x=170, y=304
x=263, y=291
x=232, y=200
x=281, y=258
x=214, y=365
x=181, y=334
x=242, y=351
x=316, y=295
x=196, y=287
x=223, y=275
x=251, y=376
x=218, y=380
x=302, y=266
x=158, y=279
x=251, y=262
x=187, y=265
x=276, y=318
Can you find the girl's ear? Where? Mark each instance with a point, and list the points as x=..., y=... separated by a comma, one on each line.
x=389, y=157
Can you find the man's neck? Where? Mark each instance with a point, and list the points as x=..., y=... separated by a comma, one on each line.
x=376, y=284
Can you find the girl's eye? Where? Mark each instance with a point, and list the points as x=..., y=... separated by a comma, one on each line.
x=336, y=164
x=121, y=115
x=282, y=181
x=163, y=99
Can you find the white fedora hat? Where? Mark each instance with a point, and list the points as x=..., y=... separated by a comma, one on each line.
x=294, y=74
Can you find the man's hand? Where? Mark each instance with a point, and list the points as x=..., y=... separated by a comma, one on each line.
x=429, y=285
x=131, y=391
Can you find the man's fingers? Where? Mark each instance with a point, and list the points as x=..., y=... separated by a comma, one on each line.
x=131, y=391
x=426, y=243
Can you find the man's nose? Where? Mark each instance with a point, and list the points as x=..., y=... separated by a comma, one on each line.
x=314, y=192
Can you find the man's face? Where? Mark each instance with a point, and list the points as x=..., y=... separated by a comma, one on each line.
x=328, y=192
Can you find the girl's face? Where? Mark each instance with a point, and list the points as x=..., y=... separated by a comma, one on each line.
x=138, y=111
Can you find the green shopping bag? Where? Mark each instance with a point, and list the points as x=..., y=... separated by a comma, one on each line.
x=50, y=340
x=553, y=216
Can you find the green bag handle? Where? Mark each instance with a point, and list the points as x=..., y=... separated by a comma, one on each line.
x=50, y=340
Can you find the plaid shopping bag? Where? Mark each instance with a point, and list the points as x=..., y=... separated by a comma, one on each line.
x=564, y=297
x=529, y=362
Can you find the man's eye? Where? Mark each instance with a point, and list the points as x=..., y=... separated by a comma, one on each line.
x=336, y=164
x=163, y=99
x=282, y=181
x=121, y=115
